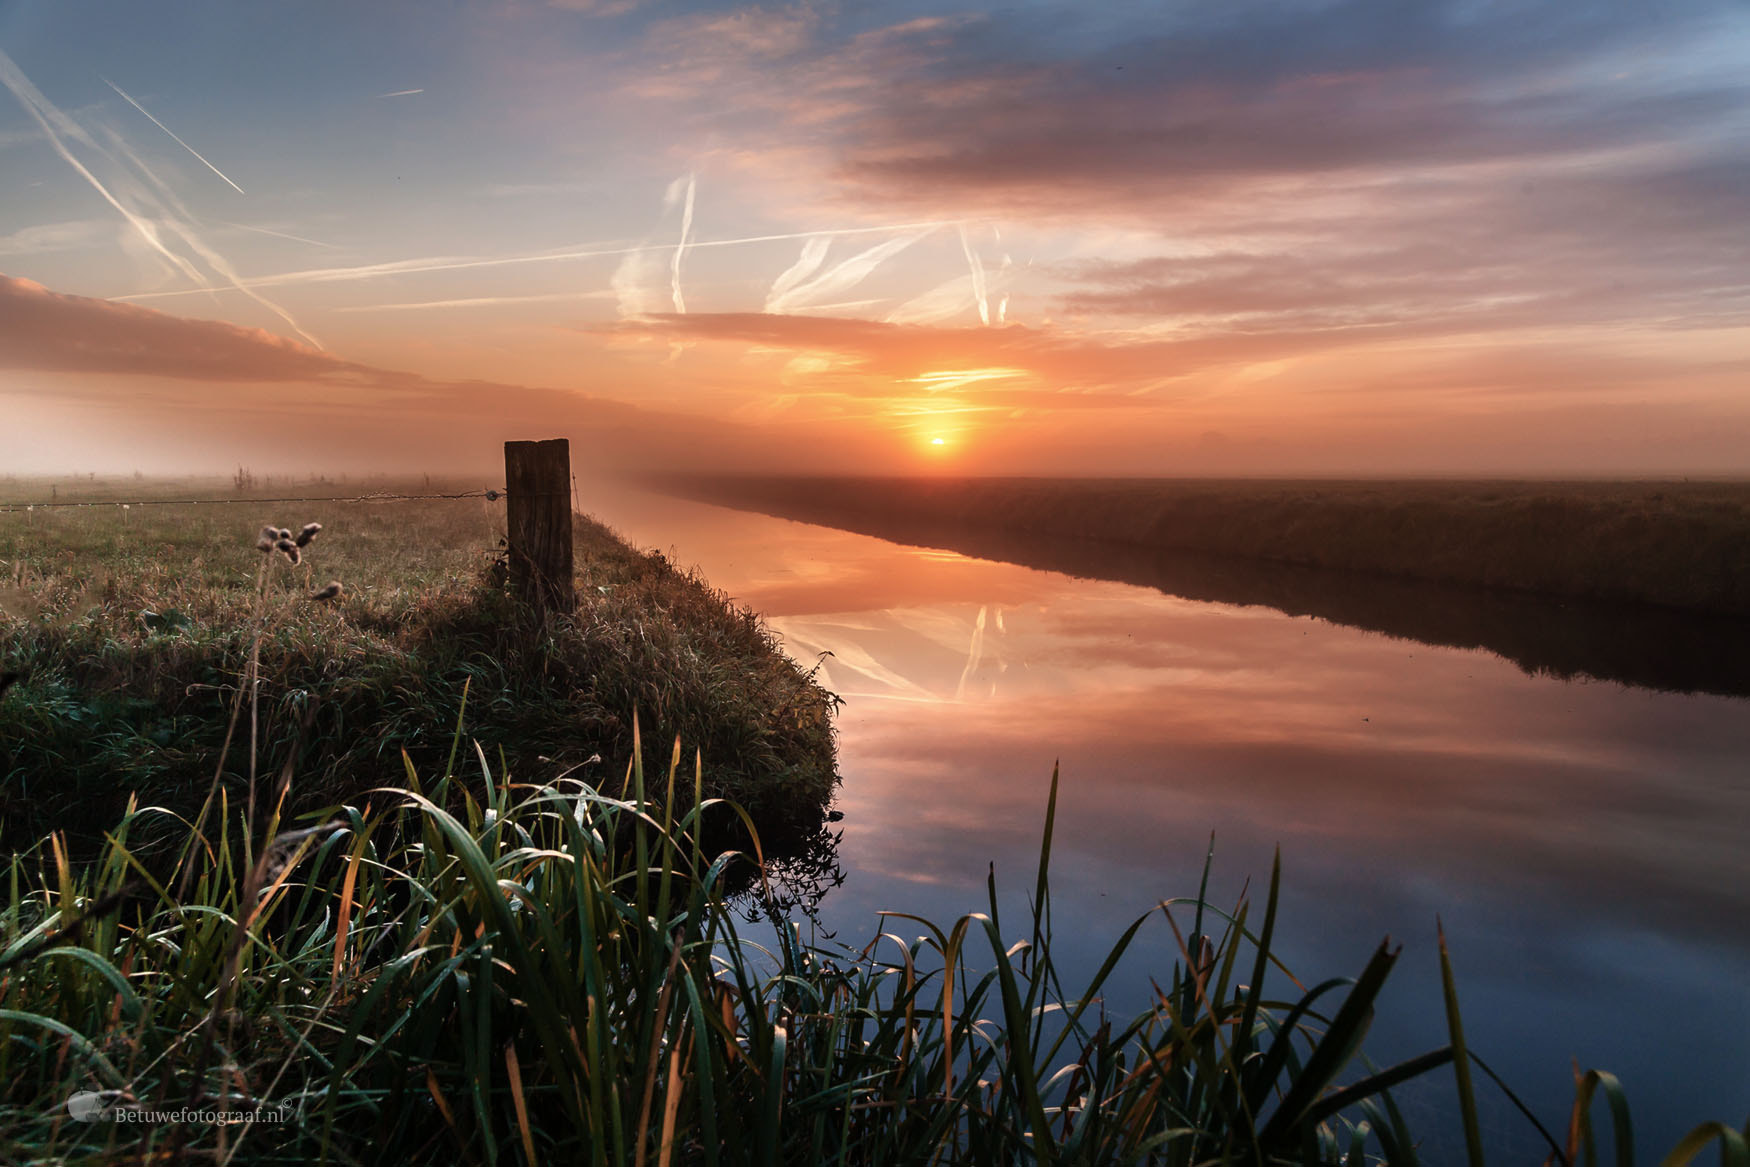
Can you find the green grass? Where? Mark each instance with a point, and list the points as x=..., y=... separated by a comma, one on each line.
x=554, y=974
x=1678, y=545
x=484, y=955
x=132, y=632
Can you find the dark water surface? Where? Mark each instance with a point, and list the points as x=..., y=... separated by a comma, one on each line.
x=1586, y=843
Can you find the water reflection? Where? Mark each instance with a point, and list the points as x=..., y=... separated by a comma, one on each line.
x=797, y=881
x=1648, y=647
x=1585, y=844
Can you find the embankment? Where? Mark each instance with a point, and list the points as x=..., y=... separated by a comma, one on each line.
x=1677, y=545
x=130, y=640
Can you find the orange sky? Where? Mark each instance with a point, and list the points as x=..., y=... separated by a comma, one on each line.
x=1264, y=239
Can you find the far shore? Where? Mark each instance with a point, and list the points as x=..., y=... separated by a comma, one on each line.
x=1669, y=544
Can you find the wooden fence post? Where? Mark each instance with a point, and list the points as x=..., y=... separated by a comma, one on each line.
x=537, y=479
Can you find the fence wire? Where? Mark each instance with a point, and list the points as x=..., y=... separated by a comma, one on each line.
x=491, y=494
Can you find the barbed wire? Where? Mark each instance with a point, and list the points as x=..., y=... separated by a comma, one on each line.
x=492, y=494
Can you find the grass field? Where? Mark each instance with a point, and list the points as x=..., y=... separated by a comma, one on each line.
x=483, y=947
x=1681, y=545
x=130, y=631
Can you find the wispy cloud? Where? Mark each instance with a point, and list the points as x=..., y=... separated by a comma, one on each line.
x=483, y=301
x=802, y=292
x=675, y=193
x=146, y=208
x=980, y=294
x=54, y=124
x=597, y=7
x=280, y=234
x=202, y=157
x=97, y=345
x=67, y=236
x=814, y=251
x=181, y=223
x=942, y=302
x=425, y=265
x=401, y=93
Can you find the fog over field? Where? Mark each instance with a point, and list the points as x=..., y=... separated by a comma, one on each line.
x=1261, y=238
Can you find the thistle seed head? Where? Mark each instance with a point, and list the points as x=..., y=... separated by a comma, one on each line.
x=307, y=534
x=290, y=550
x=332, y=592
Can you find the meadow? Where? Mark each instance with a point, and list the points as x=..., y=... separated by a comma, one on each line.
x=362, y=895
x=126, y=631
x=1680, y=545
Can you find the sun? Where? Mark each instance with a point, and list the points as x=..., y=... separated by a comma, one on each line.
x=938, y=441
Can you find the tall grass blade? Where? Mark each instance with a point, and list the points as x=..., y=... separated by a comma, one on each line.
x=1467, y=1101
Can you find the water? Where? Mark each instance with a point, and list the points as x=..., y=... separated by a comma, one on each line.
x=1586, y=844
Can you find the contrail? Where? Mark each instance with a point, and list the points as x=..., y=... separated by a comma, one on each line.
x=179, y=220
x=219, y=264
x=942, y=302
x=846, y=274
x=175, y=216
x=813, y=255
x=974, y=653
x=279, y=234
x=42, y=111
x=481, y=301
x=172, y=133
x=459, y=263
x=979, y=293
x=680, y=305
x=401, y=93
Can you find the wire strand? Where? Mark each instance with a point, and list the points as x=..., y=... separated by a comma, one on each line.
x=490, y=495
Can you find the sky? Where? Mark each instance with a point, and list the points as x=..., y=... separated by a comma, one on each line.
x=1325, y=237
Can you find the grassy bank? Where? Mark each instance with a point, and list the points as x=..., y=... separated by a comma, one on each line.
x=488, y=953
x=553, y=975
x=130, y=631
x=1676, y=545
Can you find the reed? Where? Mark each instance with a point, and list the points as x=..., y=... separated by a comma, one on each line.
x=555, y=973
x=485, y=968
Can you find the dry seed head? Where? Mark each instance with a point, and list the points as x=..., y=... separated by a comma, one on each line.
x=270, y=535
x=284, y=533
x=278, y=854
x=307, y=534
x=264, y=544
x=332, y=592
x=290, y=549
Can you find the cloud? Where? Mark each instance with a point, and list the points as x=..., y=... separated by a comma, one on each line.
x=1076, y=366
x=301, y=391
x=681, y=191
x=143, y=199
x=597, y=7
x=635, y=283
x=1351, y=162
x=1076, y=370
x=802, y=286
x=1658, y=245
x=1182, y=106
x=67, y=236
x=50, y=331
